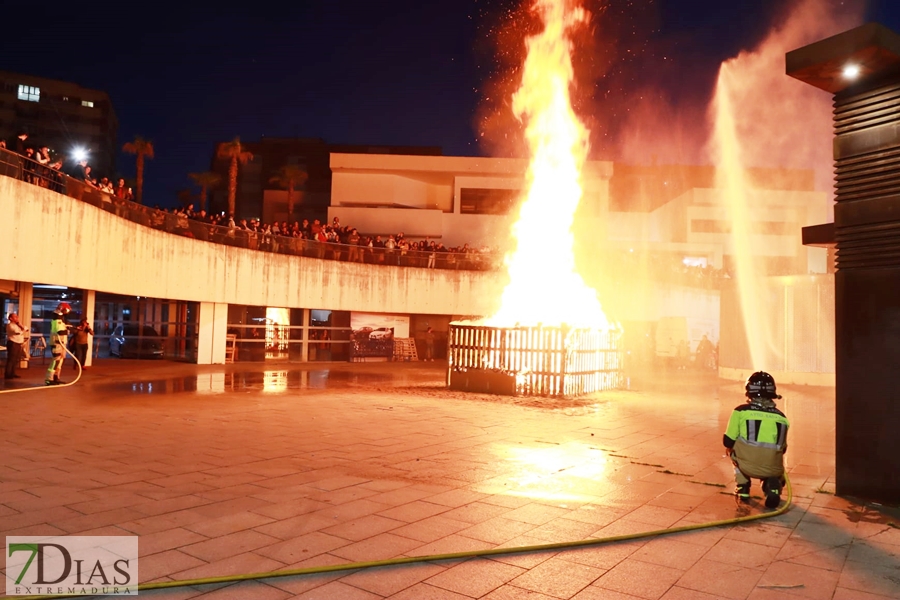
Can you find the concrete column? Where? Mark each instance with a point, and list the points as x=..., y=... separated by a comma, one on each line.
x=304, y=333
x=861, y=67
x=88, y=305
x=212, y=327
x=26, y=298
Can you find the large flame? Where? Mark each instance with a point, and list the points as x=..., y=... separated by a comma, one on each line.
x=544, y=286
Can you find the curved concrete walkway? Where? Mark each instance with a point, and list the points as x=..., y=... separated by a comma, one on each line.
x=246, y=468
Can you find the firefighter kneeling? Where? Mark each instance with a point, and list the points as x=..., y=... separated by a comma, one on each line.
x=756, y=440
x=59, y=338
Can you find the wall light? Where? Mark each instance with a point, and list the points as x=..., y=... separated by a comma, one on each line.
x=851, y=71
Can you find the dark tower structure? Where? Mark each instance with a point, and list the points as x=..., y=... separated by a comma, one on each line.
x=861, y=68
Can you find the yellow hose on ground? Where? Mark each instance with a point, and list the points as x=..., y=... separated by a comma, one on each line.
x=435, y=557
x=44, y=387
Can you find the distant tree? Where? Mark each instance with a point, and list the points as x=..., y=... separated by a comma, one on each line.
x=234, y=152
x=186, y=197
x=290, y=177
x=143, y=149
x=205, y=180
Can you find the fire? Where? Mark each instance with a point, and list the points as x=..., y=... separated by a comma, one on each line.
x=545, y=287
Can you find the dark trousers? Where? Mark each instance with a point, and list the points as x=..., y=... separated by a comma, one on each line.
x=81, y=351
x=13, y=356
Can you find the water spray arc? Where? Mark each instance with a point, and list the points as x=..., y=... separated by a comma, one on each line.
x=731, y=178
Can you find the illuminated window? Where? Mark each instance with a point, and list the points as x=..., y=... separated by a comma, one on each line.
x=694, y=261
x=87, y=103
x=29, y=93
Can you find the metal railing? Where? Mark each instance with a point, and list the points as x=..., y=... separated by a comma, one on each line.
x=22, y=168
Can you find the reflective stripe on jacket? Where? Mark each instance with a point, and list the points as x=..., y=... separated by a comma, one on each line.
x=759, y=427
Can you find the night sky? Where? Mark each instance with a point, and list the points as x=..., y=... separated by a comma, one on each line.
x=357, y=72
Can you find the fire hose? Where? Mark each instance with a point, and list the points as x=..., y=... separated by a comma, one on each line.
x=159, y=585
x=41, y=387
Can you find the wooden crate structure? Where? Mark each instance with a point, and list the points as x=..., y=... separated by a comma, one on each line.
x=405, y=350
x=534, y=361
x=230, y=347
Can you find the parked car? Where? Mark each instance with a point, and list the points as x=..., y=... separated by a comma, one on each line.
x=129, y=341
x=382, y=333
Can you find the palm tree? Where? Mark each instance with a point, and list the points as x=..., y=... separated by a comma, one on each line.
x=234, y=152
x=290, y=177
x=205, y=180
x=143, y=149
x=186, y=197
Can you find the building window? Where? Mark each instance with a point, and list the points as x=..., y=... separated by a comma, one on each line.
x=710, y=226
x=474, y=201
x=87, y=103
x=29, y=93
x=756, y=227
x=775, y=228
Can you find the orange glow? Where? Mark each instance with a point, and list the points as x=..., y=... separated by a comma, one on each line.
x=570, y=472
x=544, y=286
x=275, y=381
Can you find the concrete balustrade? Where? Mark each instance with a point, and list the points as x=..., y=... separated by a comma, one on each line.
x=51, y=238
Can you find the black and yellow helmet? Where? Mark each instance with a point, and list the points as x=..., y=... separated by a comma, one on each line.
x=761, y=385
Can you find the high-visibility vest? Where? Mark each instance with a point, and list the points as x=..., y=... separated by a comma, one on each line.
x=754, y=426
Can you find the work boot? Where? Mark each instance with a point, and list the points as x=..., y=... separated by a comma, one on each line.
x=772, y=489
x=742, y=491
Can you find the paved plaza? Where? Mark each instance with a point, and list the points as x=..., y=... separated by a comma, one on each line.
x=250, y=468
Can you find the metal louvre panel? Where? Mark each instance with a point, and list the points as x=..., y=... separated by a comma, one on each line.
x=867, y=178
x=867, y=109
x=873, y=245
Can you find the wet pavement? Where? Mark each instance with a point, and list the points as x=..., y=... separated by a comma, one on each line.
x=249, y=468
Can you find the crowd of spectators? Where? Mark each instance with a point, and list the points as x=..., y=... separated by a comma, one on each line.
x=666, y=268
x=40, y=166
x=334, y=241
x=43, y=168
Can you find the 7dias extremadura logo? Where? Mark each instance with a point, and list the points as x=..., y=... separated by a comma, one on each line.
x=82, y=565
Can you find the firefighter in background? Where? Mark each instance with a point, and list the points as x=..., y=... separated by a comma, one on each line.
x=59, y=337
x=756, y=440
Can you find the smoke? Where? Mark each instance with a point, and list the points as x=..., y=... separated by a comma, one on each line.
x=657, y=131
x=782, y=122
x=644, y=91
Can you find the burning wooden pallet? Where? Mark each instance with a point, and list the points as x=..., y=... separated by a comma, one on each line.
x=534, y=361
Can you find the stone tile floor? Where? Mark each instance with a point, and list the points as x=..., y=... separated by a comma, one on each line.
x=255, y=468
